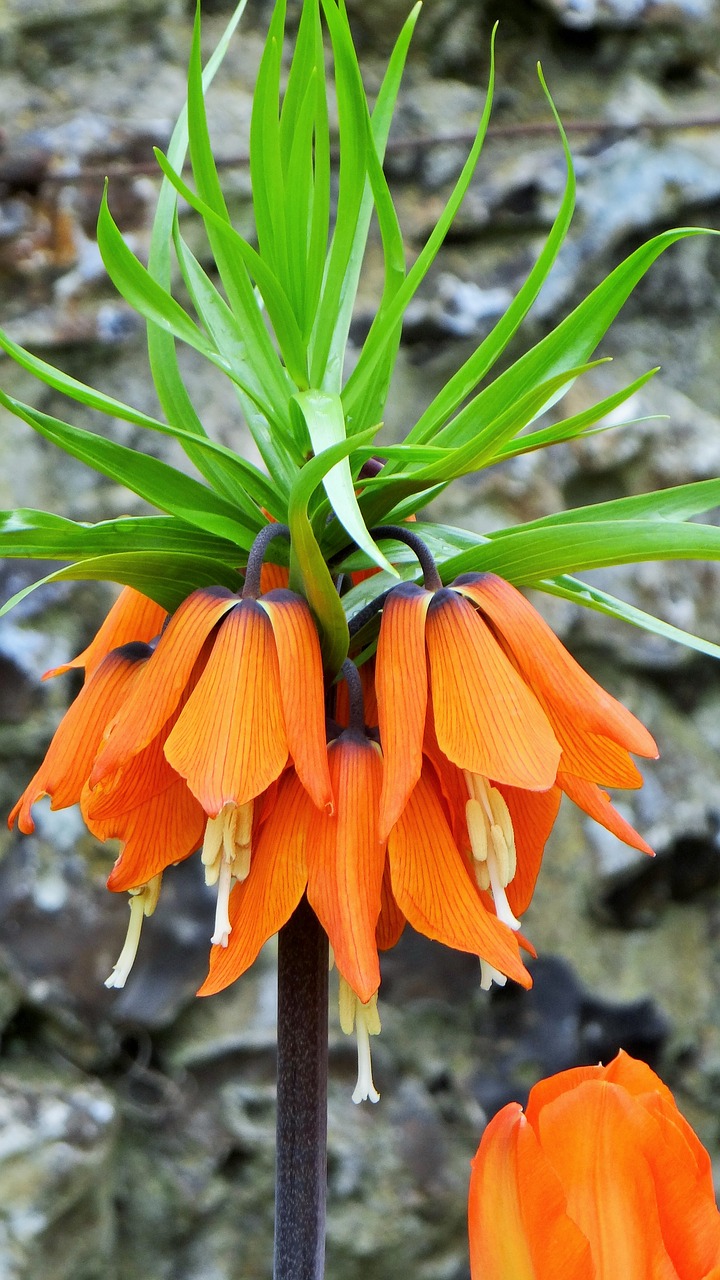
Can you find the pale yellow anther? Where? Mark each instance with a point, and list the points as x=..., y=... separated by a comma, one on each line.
x=226, y=855
x=492, y=840
x=143, y=901
x=366, y=1021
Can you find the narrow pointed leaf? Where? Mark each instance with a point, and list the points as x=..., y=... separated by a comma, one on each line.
x=577, y=592
x=40, y=535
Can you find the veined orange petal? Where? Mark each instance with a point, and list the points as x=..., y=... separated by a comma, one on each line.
x=401, y=687
x=273, y=576
x=577, y=701
x=160, y=690
x=162, y=829
x=391, y=920
x=302, y=691
x=144, y=776
x=346, y=860
x=64, y=771
x=132, y=617
x=598, y=759
x=533, y=815
x=486, y=718
x=601, y=1142
x=517, y=1212
x=264, y=902
x=596, y=804
x=432, y=885
x=229, y=742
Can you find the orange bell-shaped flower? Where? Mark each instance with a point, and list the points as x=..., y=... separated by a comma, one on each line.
x=600, y=1178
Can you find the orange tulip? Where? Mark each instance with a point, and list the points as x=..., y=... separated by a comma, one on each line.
x=600, y=1178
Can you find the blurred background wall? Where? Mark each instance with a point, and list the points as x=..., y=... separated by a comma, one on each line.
x=137, y=1127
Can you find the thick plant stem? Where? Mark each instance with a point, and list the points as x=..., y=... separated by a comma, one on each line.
x=301, y=1168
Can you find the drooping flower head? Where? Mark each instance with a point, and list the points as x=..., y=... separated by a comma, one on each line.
x=473, y=679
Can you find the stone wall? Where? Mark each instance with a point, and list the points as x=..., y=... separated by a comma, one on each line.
x=136, y=1128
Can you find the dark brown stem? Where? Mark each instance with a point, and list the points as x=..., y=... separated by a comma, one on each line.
x=301, y=1168
x=256, y=557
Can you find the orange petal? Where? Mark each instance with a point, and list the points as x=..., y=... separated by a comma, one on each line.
x=533, y=815
x=598, y=759
x=302, y=690
x=603, y=1145
x=486, y=719
x=517, y=1212
x=273, y=576
x=161, y=830
x=346, y=860
x=264, y=902
x=132, y=617
x=158, y=693
x=433, y=888
x=229, y=742
x=391, y=920
x=401, y=687
x=596, y=804
x=65, y=769
x=574, y=701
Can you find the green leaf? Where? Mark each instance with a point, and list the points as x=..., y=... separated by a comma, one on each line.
x=309, y=573
x=385, y=324
x=333, y=322
x=479, y=449
x=680, y=502
x=323, y=416
x=148, y=298
x=151, y=479
x=529, y=554
x=229, y=249
x=580, y=424
x=172, y=393
x=39, y=535
x=461, y=385
x=276, y=447
x=577, y=592
x=244, y=357
x=266, y=173
x=166, y=578
x=571, y=343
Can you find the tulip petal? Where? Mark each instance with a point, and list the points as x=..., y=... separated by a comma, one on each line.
x=346, y=860
x=264, y=902
x=600, y=1141
x=596, y=804
x=574, y=701
x=433, y=888
x=158, y=693
x=486, y=718
x=64, y=771
x=517, y=1213
x=401, y=687
x=301, y=688
x=229, y=742
x=132, y=617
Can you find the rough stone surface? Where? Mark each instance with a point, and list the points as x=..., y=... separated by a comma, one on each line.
x=139, y=1125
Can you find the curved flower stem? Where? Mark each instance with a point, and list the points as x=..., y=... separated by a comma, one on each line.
x=301, y=1168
